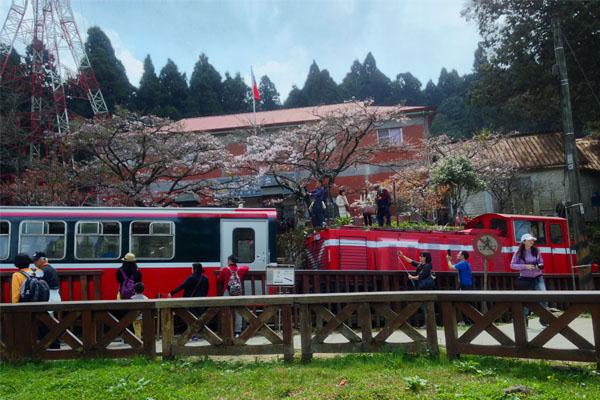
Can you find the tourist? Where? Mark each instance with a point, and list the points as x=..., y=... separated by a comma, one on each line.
x=317, y=205
x=22, y=262
x=422, y=277
x=528, y=261
x=465, y=274
x=231, y=278
x=127, y=276
x=47, y=273
x=383, y=201
x=341, y=201
x=139, y=295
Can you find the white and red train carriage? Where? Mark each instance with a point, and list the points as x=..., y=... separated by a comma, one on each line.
x=166, y=241
x=355, y=248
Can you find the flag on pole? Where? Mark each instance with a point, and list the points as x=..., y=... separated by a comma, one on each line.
x=255, y=91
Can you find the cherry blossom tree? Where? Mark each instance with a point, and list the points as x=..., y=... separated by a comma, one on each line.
x=146, y=160
x=414, y=193
x=338, y=140
x=48, y=182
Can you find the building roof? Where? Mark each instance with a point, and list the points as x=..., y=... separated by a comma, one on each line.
x=544, y=150
x=290, y=116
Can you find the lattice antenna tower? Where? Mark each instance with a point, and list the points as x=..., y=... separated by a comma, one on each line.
x=53, y=68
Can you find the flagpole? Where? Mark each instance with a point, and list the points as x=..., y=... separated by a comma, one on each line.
x=253, y=99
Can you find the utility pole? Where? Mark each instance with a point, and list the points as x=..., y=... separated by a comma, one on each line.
x=572, y=192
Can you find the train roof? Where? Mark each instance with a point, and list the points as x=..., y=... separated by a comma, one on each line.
x=518, y=216
x=139, y=211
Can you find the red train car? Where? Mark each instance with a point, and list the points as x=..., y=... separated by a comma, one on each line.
x=355, y=248
x=166, y=241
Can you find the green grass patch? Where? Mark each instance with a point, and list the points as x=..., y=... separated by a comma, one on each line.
x=369, y=376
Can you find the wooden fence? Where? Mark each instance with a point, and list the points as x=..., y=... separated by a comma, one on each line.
x=87, y=283
x=103, y=328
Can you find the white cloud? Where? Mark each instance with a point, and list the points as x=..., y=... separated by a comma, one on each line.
x=134, y=67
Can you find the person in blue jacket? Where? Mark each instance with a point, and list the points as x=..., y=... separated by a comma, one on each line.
x=316, y=207
x=465, y=274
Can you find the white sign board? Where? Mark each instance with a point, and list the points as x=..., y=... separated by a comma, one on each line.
x=280, y=275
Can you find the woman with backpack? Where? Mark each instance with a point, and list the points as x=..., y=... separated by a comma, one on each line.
x=231, y=278
x=127, y=276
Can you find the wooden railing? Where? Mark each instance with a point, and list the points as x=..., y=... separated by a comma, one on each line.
x=85, y=282
x=90, y=329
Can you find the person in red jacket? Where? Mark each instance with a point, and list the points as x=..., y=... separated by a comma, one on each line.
x=231, y=278
x=224, y=277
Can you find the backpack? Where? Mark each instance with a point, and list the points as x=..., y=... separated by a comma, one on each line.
x=126, y=289
x=234, y=285
x=33, y=289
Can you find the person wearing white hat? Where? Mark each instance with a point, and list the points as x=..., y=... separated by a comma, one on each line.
x=528, y=261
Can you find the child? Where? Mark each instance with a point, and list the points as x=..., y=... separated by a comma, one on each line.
x=137, y=324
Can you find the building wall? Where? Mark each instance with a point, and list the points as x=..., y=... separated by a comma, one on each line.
x=545, y=189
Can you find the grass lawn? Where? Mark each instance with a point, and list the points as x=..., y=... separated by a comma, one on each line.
x=377, y=376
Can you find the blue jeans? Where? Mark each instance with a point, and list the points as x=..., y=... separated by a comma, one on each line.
x=538, y=284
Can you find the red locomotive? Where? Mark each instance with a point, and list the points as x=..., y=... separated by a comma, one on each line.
x=355, y=248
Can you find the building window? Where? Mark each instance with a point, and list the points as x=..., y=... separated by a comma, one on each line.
x=243, y=245
x=153, y=240
x=389, y=136
x=46, y=236
x=95, y=240
x=4, y=239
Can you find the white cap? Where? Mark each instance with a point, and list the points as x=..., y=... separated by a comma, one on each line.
x=527, y=236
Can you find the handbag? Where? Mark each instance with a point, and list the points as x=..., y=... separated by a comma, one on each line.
x=370, y=210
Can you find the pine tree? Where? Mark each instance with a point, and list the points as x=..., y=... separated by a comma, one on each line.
x=269, y=96
x=174, y=102
x=351, y=84
x=319, y=87
x=367, y=81
x=374, y=83
x=149, y=93
x=236, y=94
x=296, y=98
x=206, y=88
x=109, y=71
x=406, y=89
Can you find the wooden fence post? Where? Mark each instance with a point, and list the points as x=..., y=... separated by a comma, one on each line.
x=149, y=333
x=595, y=308
x=450, y=329
x=365, y=321
x=168, y=333
x=288, y=337
x=305, y=333
x=432, y=340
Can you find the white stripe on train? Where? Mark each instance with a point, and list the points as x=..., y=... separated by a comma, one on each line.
x=426, y=246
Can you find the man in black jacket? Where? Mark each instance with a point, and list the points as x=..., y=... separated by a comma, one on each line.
x=195, y=285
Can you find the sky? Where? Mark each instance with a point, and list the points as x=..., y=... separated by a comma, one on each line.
x=281, y=38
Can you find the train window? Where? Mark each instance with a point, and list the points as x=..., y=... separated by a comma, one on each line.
x=4, y=239
x=243, y=245
x=536, y=228
x=96, y=240
x=499, y=224
x=151, y=239
x=46, y=236
x=556, y=235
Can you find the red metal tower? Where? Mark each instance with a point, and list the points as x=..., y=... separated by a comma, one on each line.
x=52, y=68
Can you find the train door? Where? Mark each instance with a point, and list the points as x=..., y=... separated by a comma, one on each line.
x=246, y=239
